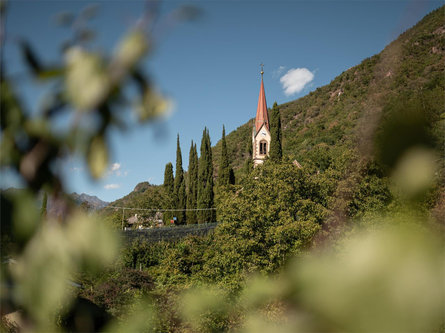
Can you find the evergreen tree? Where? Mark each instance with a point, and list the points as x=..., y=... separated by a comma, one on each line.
x=179, y=188
x=276, y=152
x=192, y=189
x=248, y=164
x=168, y=179
x=225, y=172
x=169, y=186
x=205, y=180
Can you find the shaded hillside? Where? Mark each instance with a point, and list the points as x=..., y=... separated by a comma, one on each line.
x=144, y=195
x=347, y=111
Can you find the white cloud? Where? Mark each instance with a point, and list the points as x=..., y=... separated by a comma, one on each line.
x=115, y=166
x=295, y=80
x=277, y=72
x=111, y=186
x=116, y=170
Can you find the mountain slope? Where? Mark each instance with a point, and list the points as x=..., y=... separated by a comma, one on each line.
x=345, y=114
x=92, y=201
x=347, y=111
x=144, y=195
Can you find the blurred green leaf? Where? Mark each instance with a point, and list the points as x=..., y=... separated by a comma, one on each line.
x=97, y=156
x=26, y=216
x=131, y=49
x=41, y=275
x=55, y=252
x=414, y=175
x=387, y=280
x=94, y=242
x=87, y=82
x=405, y=125
x=262, y=290
x=153, y=105
x=9, y=155
x=38, y=127
x=205, y=308
x=141, y=317
x=12, y=115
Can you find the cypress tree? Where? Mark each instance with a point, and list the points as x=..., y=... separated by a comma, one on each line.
x=169, y=186
x=276, y=152
x=211, y=214
x=248, y=164
x=179, y=188
x=205, y=180
x=168, y=178
x=192, y=189
x=224, y=173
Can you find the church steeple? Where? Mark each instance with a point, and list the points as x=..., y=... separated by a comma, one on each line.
x=261, y=137
x=261, y=112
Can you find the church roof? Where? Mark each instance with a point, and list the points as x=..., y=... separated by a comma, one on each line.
x=261, y=112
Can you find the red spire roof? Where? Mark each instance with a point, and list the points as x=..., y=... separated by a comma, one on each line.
x=261, y=112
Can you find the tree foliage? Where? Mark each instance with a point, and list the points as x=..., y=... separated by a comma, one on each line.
x=192, y=185
x=225, y=172
x=169, y=182
x=205, y=181
x=169, y=189
x=276, y=152
x=179, y=186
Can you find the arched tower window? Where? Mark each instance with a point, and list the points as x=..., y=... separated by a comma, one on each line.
x=263, y=147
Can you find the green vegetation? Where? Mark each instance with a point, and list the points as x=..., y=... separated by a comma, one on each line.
x=225, y=172
x=351, y=240
x=169, y=190
x=276, y=151
x=205, y=180
x=179, y=188
x=192, y=185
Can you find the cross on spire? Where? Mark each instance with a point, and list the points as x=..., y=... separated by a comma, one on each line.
x=262, y=71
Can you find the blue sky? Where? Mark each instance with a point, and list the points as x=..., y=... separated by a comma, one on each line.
x=209, y=68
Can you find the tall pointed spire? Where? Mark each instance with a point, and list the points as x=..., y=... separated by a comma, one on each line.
x=261, y=112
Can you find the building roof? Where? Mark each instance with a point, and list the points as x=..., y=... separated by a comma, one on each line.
x=261, y=112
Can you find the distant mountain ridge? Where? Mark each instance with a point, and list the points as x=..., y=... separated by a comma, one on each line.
x=93, y=201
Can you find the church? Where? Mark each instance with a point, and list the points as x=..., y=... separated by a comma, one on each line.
x=261, y=130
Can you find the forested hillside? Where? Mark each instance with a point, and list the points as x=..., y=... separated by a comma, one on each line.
x=346, y=112
x=144, y=195
x=338, y=125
